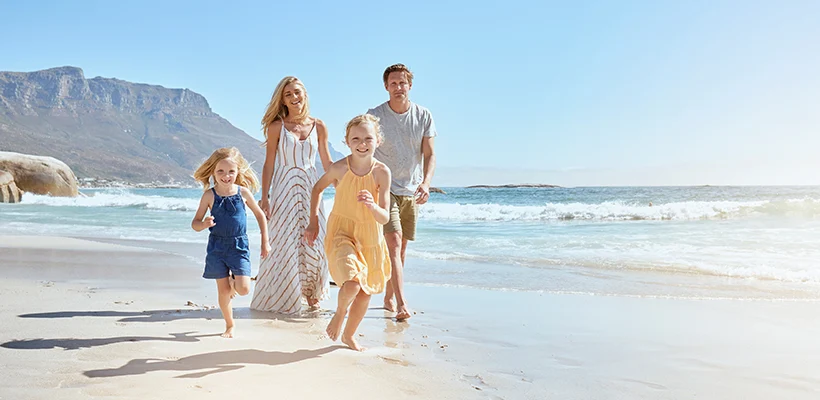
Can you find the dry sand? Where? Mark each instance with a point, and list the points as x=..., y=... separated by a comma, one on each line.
x=83, y=319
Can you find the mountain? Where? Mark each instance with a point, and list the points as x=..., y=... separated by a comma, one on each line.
x=112, y=129
x=335, y=155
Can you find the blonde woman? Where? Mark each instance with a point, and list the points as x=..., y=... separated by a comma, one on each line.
x=294, y=269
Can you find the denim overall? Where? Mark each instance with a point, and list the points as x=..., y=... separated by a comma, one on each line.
x=228, y=242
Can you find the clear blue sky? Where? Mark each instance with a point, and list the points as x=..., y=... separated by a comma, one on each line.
x=574, y=93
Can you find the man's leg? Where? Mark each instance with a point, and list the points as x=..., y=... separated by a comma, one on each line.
x=403, y=249
x=392, y=235
x=408, y=212
x=395, y=287
x=389, y=301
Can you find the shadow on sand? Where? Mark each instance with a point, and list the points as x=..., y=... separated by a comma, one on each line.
x=200, y=365
x=176, y=314
x=74, y=344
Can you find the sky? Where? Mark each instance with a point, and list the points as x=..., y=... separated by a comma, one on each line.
x=592, y=93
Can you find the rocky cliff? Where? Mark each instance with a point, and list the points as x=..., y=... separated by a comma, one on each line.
x=113, y=129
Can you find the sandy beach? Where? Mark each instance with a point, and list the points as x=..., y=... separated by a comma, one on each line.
x=612, y=200
x=84, y=319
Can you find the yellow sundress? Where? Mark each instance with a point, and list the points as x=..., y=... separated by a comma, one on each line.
x=354, y=243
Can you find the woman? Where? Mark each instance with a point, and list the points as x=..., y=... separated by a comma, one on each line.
x=294, y=269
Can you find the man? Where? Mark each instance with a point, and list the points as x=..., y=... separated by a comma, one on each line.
x=407, y=149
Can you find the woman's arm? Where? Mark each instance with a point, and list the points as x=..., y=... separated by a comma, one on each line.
x=273, y=131
x=324, y=146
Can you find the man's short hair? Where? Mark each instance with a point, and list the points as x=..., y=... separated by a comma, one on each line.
x=398, y=68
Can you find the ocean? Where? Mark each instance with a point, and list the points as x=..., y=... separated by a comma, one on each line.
x=671, y=242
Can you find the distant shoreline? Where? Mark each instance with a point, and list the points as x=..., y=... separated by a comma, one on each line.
x=512, y=186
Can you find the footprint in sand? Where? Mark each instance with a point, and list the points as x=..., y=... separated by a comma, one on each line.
x=568, y=362
x=395, y=361
x=655, y=386
x=476, y=381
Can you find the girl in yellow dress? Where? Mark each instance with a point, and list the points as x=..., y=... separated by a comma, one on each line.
x=354, y=245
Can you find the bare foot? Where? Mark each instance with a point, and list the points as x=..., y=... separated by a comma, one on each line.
x=352, y=343
x=313, y=304
x=390, y=305
x=403, y=314
x=335, y=325
x=228, y=332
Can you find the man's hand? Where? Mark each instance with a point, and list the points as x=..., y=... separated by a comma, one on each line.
x=422, y=193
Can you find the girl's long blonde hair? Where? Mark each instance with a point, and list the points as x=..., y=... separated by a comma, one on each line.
x=277, y=110
x=246, y=176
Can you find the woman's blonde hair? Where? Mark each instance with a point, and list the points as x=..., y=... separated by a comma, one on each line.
x=365, y=119
x=277, y=110
x=246, y=176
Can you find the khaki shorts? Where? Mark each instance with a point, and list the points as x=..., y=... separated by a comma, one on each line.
x=403, y=212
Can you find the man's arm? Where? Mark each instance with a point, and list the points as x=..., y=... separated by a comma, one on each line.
x=427, y=150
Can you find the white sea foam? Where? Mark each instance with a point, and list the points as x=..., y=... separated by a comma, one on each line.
x=621, y=211
x=605, y=211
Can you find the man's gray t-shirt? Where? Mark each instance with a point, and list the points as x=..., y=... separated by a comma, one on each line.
x=401, y=149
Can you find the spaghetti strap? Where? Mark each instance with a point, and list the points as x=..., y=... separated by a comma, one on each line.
x=372, y=164
x=286, y=131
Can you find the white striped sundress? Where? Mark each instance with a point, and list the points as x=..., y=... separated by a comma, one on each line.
x=293, y=270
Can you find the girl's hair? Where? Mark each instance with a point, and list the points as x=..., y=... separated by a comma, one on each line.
x=277, y=110
x=245, y=177
x=365, y=119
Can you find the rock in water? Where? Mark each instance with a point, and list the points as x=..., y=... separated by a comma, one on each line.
x=39, y=175
x=9, y=193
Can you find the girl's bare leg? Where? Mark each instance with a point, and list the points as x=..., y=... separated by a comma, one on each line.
x=357, y=311
x=225, y=293
x=346, y=296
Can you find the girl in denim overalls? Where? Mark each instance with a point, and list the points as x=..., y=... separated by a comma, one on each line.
x=228, y=260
